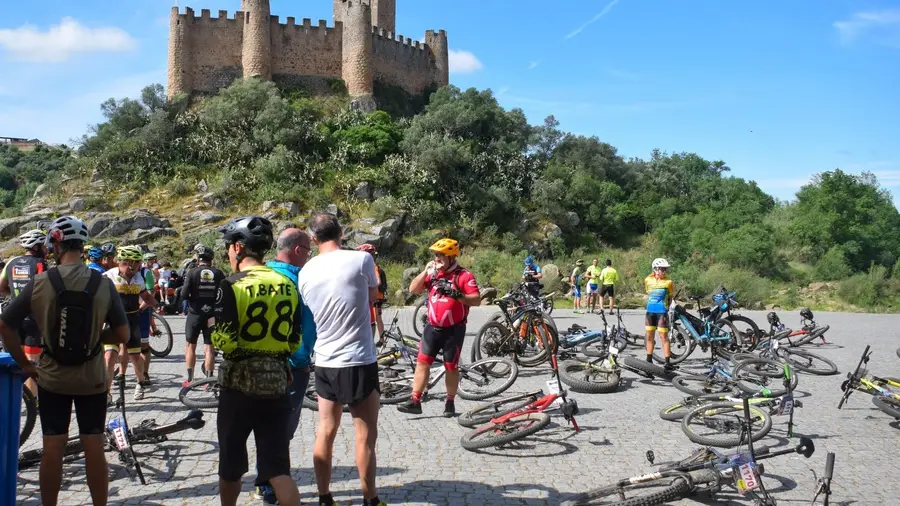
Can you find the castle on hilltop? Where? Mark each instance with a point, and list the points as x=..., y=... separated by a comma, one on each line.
x=207, y=54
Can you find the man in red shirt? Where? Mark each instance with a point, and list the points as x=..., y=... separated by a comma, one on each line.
x=451, y=291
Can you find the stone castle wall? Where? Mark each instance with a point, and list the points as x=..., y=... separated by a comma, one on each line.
x=207, y=53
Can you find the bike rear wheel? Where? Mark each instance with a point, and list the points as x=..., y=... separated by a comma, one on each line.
x=659, y=491
x=29, y=415
x=161, y=344
x=201, y=394
x=809, y=362
x=32, y=458
x=420, y=318
x=762, y=377
x=486, y=378
x=681, y=345
x=483, y=414
x=515, y=428
x=587, y=377
x=701, y=385
x=750, y=333
x=723, y=432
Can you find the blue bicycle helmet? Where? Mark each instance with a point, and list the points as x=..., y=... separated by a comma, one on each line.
x=95, y=253
x=529, y=260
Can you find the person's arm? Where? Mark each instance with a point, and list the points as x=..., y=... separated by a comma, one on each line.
x=186, y=287
x=225, y=322
x=420, y=282
x=538, y=273
x=10, y=321
x=369, y=272
x=147, y=300
x=469, y=288
x=4, y=283
x=118, y=331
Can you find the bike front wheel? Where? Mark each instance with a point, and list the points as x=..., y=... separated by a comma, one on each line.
x=809, y=362
x=517, y=427
x=749, y=330
x=762, y=377
x=587, y=377
x=161, y=342
x=661, y=490
x=719, y=424
x=29, y=415
x=889, y=405
x=420, y=318
x=486, y=378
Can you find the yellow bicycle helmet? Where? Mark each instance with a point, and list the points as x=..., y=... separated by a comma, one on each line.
x=447, y=247
x=128, y=254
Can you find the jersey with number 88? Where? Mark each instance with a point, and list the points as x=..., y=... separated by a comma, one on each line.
x=256, y=314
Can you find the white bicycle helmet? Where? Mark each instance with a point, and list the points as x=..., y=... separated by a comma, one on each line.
x=660, y=262
x=67, y=228
x=32, y=238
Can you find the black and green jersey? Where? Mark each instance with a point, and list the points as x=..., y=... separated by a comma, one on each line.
x=257, y=313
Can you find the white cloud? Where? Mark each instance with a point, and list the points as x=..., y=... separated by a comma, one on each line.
x=593, y=20
x=533, y=64
x=882, y=26
x=464, y=62
x=62, y=41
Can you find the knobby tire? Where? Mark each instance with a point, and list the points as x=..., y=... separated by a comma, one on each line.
x=487, y=436
x=725, y=440
x=650, y=493
x=200, y=385
x=161, y=346
x=30, y=405
x=585, y=377
x=485, y=371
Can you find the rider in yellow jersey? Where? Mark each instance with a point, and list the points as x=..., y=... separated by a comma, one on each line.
x=660, y=291
x=256, y=324
x=608, y=279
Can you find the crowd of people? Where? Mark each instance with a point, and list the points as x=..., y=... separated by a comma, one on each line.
x=76, y=321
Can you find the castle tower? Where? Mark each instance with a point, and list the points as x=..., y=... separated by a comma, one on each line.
x=179, y=69
x=437, y=43
x=256, y=57
x=356, y=56
x=384, y=14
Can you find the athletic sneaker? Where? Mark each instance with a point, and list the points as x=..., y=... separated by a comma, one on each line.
x=412, y=407
x=267, y=494
x=449, y=409
x=138, y=392
x=186, y=384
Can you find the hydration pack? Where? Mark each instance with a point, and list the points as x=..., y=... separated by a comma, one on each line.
x=69, y=341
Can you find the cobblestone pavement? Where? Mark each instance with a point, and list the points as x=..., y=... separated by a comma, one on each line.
x=421, y=461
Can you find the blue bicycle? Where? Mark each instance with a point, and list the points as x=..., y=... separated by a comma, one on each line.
x=718, y=335
x=757, y=376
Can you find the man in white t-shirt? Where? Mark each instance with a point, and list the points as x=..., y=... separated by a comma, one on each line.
x=340, y=288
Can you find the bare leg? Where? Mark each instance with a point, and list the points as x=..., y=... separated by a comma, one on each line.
x=285, y=490
x=145, y=353
x=209, y=358
x=123, y=359
x=329, y=421
x=650, y=341
x=190, y=355
x=667, y=349
x=30, y=383
x=112, y=357
x=97, y=469
x=229, y=492
x=452, y=381
x=138, y=362
x=51, y=468
x=421, y=379
x=612, y=303
x=365, y=426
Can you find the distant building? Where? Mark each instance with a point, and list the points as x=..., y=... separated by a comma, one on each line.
x=20, y=142
x=207, y=54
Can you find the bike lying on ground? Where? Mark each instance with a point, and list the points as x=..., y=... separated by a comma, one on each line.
x=707, y=470
x=121, y=438
x=883, y=397
x=824, y=483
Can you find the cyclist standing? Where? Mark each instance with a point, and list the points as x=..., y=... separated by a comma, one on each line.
x=593, y=283
x=452, y=290
x=16, y=275
x=532, y=276
x=577, y=282
x=71, y=370
x=109, y=256
x=660, y=291
x=200, y=287
x=149, y=272
x=257, y=328
x=608, y=279
x=95, y=258
x=132, y=288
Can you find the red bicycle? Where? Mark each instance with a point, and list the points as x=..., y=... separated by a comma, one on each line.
x=518, y=417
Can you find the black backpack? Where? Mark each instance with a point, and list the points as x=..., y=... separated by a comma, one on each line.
x=70, y=339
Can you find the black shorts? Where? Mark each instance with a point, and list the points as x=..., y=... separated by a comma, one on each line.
x=194, y=325
x=608, y=290
x=347, y=385
x=447, y=340
x=31, y=336
x=56, y=411
x=655, y=321
x=268, y=419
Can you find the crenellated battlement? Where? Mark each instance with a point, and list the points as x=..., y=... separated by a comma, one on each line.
x=360, y=47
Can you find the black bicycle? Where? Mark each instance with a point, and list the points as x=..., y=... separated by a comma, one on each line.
x=121, y=439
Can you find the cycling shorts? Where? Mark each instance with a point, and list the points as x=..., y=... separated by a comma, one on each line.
x=657, y=321
x=194, y=325
x=608, y=290
x=134, y=337
x=145, y=326
x=32, y=342
x=56, y=412
x=592, y=288
x=576, y=291
x=349, y=385
x=268, y=419
x=448, y=341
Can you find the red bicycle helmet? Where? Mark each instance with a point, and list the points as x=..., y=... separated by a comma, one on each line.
x=368, y=248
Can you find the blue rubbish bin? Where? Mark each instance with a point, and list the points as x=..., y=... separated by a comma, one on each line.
x=10, y=416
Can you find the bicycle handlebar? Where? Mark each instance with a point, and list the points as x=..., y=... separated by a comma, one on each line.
x=829, y=466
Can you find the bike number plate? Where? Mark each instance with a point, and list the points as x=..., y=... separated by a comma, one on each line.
x=787, y=405
x=121, y=440
x=747, y=478
x=612, y=349
x=553, y=388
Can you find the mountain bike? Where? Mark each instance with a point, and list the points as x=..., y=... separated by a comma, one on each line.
x=619, y=331
x=724, y=303
x=706, y=470
x=600, y=374
x=119, y=437
x=161, y=341
x=753, y=376
x=527, y=339
x=801, y=360
x=887, y=399
x=420, y=316
x=29, y=415
x=718, y=335
x=517, y=417
x=809, y=331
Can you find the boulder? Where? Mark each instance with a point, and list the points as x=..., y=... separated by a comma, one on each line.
x=379, y=193
x=43, y=190
x=388, y=231
x=367, y=222
x=96, y=177
x=11, y=227
x=572, y=219
x=818, y=287
x=140, y=219
x=99, y=223
x=551, y=277
x=202, y=187
x=489, y=293
x=409, y=274
x=333, y=209
x=219, y=203
x=208, y=197
x=363, y=190
x=268, y=205
x=77, y=204
x=290, y=208
x=551, y=231
x=141, y=236
x=202, y=217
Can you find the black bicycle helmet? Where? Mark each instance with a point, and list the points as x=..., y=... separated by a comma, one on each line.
x=806, y=313
x=772, y=318
x=255, y=232
x=108, y=249
x=203, y=252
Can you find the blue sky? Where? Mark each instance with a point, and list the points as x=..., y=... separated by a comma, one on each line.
x=779, y=90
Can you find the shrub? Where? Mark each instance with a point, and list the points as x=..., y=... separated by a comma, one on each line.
x=833, y=265
x=865, y=290
x=751, y=288
x=179, y=187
